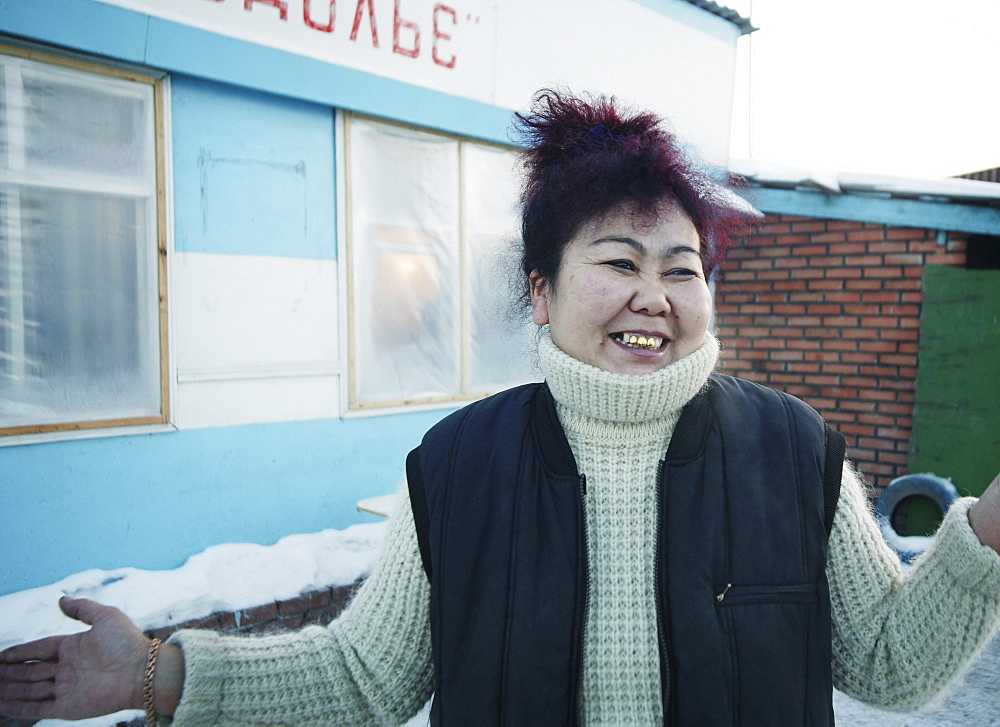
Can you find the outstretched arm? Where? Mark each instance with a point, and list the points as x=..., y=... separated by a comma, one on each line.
x=370, y=666
x=96, y=672
x=898, y=638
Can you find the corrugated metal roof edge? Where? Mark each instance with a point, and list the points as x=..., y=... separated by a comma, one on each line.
x=776, y=176
x=983, y=175
x=728, y=13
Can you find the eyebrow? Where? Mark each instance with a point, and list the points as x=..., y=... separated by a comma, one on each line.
x=670, y=252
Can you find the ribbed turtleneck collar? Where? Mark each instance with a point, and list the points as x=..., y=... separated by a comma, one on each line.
x=612, y=397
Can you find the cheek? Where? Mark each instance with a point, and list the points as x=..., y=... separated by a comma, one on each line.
x=694, y=305
x=587, y=297
x=597, y=294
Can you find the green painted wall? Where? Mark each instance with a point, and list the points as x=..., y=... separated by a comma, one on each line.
x=956, y=427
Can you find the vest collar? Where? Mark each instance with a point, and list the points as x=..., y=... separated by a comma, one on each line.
x=688, y=440
x=556, y=453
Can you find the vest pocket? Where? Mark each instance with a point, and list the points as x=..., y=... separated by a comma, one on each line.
x=737, y=595
x=770, y=632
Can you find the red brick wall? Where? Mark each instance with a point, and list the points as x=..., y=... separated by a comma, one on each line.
x=317, y=608
x=829, y=310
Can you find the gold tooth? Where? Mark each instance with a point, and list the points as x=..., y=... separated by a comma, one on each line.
x=633, y=339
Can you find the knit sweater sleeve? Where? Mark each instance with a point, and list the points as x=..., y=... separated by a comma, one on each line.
x=371, y=666
x=899, y=638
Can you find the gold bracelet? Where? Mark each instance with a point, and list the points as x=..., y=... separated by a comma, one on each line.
x=147, y=683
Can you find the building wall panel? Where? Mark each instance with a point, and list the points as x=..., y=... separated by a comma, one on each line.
x=256, y=339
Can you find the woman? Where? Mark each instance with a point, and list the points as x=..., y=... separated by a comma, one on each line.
x=636, y=541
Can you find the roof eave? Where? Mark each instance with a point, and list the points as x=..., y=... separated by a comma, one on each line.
x=726, y=13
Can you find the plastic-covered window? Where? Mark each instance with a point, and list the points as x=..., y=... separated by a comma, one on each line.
x=80, y=328
x=431, y=218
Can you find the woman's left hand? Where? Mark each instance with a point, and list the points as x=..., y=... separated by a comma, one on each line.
x=984, y=516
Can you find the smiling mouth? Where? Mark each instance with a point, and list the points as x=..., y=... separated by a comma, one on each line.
x=637, y=340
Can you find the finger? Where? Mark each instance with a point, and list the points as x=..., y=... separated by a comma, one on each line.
x=37, y=692
x=28, y=710
x=42, y=650
x=83, y=609
x=37, y=671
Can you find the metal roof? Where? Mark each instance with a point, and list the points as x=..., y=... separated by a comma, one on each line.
x=963, y=205
x=985, y=175
x=950, y=189
x=728, y=13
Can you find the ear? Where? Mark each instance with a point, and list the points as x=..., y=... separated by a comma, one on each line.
x=539, y=298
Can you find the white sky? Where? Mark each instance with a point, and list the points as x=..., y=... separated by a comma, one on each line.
x=904, y=87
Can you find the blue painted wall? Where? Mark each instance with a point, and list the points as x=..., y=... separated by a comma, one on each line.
x=253, y=172
x=252, y=134
x=152, y=500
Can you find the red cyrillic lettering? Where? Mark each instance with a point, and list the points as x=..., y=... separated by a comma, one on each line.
x=280, y=4
x=371, y=18
x=307, y=16
x=450, y=63
x=397, y=23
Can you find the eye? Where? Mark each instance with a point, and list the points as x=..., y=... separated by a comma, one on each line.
x=621, y=264
x=682, y=273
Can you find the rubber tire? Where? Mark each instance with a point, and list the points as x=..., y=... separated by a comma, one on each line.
x=935, y=488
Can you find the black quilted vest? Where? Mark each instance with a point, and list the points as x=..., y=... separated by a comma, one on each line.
x=747, y=492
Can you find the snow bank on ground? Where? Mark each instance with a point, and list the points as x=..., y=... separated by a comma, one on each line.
x=224, y=577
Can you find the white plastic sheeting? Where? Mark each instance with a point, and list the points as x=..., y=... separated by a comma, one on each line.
x=501, y=352
x=79, y=328
x=430, y=217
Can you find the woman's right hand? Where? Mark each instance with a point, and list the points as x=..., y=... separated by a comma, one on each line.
x=96, y=672
x=984, y=516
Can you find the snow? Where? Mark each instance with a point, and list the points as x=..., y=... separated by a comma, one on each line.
x=973, y=700
x=235, y=576
x=907, y=547
x=226, y=577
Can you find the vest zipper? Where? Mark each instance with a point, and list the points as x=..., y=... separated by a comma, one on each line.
x=586, y=597
x=661, y=579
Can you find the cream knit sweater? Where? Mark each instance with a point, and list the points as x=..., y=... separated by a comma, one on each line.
x=897, y=640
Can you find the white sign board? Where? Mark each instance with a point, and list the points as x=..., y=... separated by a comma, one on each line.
x=444, y=45
x=679, y=62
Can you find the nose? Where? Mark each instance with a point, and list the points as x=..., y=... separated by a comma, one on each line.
x=650, y=297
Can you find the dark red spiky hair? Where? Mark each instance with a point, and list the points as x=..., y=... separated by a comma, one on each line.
x=584, y=157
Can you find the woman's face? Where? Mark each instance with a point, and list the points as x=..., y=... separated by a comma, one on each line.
x=629, y=298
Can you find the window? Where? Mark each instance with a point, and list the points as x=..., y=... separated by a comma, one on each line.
x=430, y=219
x=82, y=285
